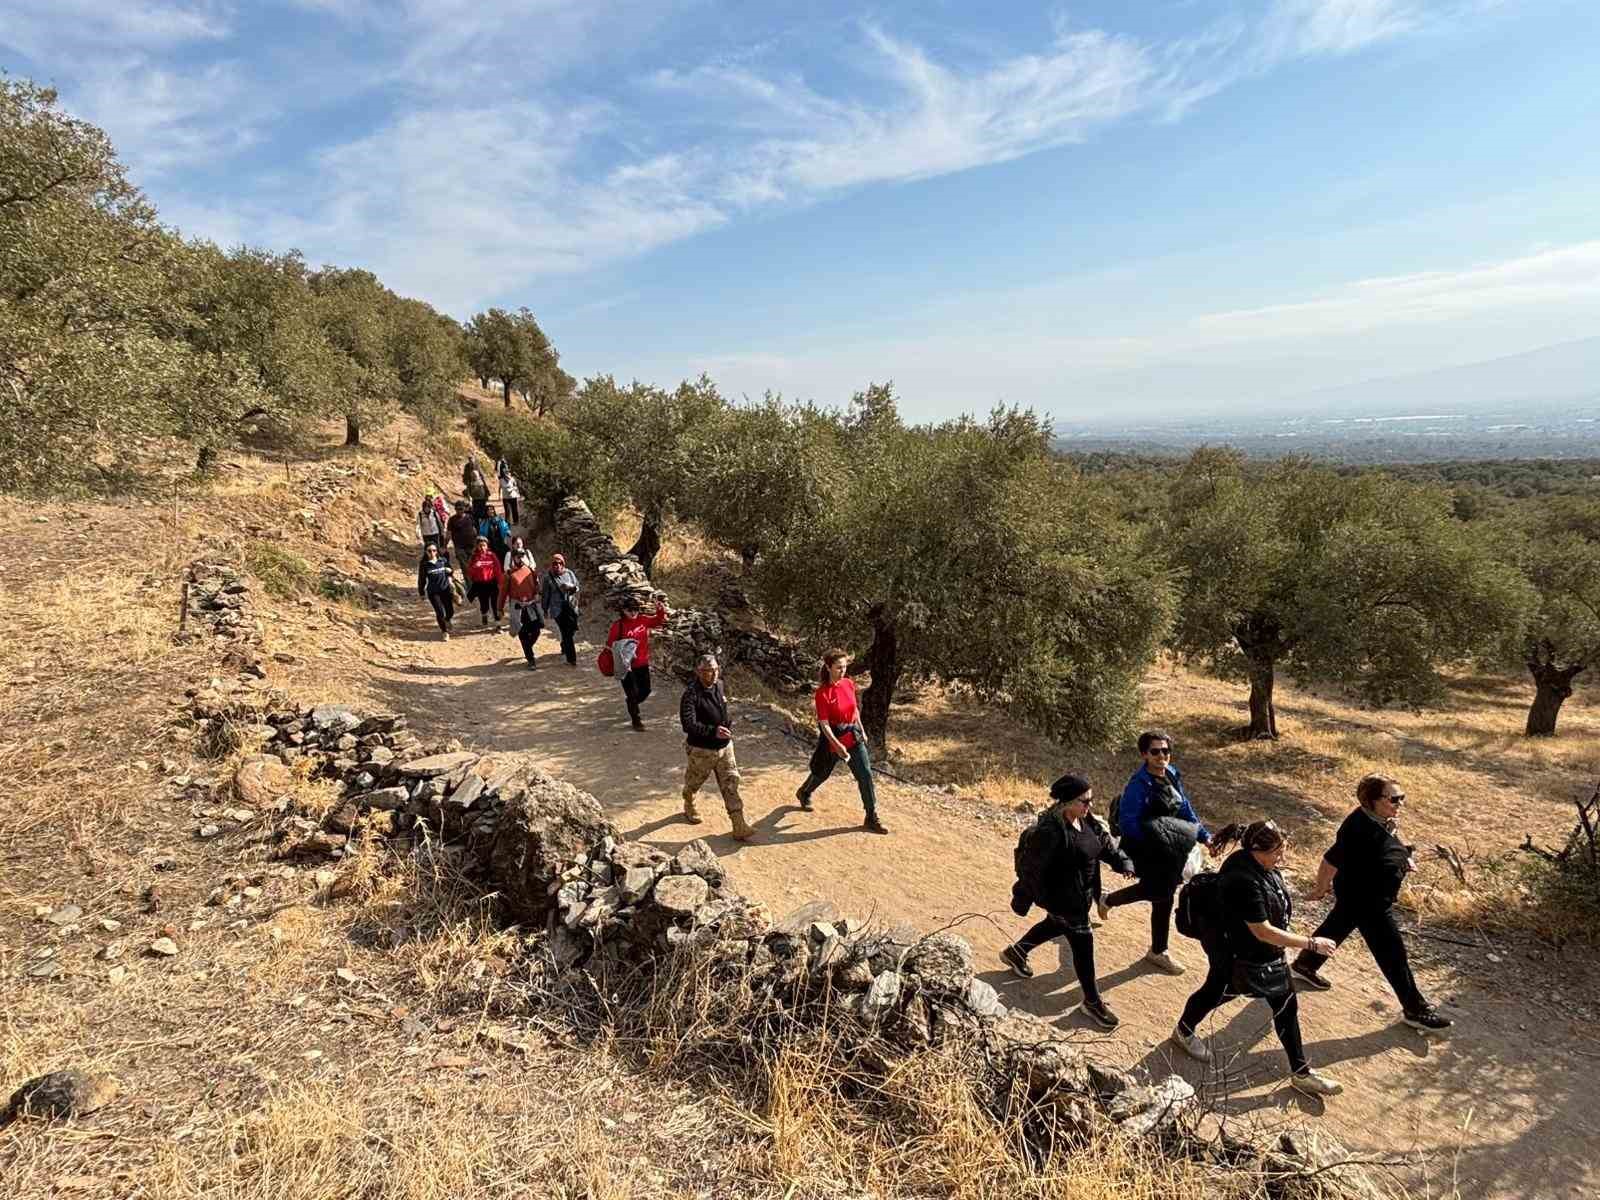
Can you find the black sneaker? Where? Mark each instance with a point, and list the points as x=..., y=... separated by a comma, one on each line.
x=1310, y=977
x=1429, y=1020
x=801, y=795
x=1097, y=1012
x=873, y=825
x=1017, y=961
x=638, y=725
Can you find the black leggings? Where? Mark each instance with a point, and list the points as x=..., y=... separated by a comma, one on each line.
x=636, y=689
x=444, y=608
x=1381, y=932
x=513, y=507
x=1081, y=940
x=488, y=596
x=528, y=632
x=1214, y=992
x=1160, y=893
x=567, y=625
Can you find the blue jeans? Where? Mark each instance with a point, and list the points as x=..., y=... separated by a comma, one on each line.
x=823, y=761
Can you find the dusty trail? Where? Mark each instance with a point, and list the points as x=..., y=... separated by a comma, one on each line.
x=1507, y=1106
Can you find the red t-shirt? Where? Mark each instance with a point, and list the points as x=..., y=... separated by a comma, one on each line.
x=638, y=628
x=836, y=705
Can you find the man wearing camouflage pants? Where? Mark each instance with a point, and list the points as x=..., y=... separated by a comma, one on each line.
x=703, y=712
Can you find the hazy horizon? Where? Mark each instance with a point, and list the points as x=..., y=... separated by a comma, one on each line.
x=1173, y=211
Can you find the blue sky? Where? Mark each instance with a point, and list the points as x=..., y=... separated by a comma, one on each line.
x=1154, y=207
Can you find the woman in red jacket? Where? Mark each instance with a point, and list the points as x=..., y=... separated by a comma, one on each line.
x=483, y=579
x=842, y=738
x=629, y=641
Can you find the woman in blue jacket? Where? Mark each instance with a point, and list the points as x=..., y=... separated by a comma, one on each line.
x=1159, y=828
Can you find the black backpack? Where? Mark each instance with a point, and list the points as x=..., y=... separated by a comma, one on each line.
x=1199, y=912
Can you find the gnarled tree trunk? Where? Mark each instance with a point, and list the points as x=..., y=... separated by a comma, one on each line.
x=1263, y=713
x=507, y=384
x=1552, y=685
x=1261, y=642
x=352, y=429
x=649, y=543
x=882, y=660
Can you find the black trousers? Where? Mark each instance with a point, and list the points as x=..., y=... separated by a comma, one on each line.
x=513, y=507
x=1081, y=942
x=1160, y=894
x=636, y=689
x=480, y=508
x=1381, y=932
x=444, y=608
x=528, y=632
x=1215, y=990
x=567, y=626
x=487, y=595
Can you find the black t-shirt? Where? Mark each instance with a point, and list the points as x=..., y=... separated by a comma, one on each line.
x=1252, y=894
x=1372, y=862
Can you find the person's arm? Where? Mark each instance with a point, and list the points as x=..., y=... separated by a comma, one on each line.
x=724, y=730
x=611, y=634
x=1187, y=812
x=658, y=618
x=1130, y=810
x=1117, y=858
x=826, y=727
x=1324, y=884
x=1266, y=931
x=422, y=578
x=688, y=718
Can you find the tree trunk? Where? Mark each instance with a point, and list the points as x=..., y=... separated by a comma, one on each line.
x=882, y=662
x=1263, y=714
x=1553, y=685
x=649, y=544
x=205, y=460
x=507, y=383
x=747, y=555
x=352, y=429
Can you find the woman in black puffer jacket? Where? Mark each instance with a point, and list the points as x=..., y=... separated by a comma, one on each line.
x=1058, y=868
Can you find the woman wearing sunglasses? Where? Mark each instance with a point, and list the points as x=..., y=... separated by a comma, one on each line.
x=1244, y=953
x=1364, y=869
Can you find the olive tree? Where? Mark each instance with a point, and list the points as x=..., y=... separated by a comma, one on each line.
x=355, y=311
x=962, y=554
x=512, y=348
x=1367, y=582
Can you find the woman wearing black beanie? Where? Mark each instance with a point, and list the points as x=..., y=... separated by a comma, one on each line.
x=1057, y=861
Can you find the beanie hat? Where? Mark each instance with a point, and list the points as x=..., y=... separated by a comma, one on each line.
x=1069, y=787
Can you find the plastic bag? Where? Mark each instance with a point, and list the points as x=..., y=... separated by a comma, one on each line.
x=1195, y=863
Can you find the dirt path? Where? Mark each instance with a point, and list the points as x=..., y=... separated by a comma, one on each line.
x=1508, y=1106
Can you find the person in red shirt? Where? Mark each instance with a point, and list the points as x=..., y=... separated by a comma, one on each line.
x=483, y=579
x=842, y=738
x=629, y=640
x=519, y=599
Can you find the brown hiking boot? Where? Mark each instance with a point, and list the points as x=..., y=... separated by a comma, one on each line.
x=741, y=829
x=690, y=813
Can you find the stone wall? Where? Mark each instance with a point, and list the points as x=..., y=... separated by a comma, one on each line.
x=691, y=632
x=607, y=909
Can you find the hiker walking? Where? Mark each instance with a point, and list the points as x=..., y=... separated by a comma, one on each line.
x=510, y=494
x=519, y=599
x=430, y=526
x=1159, y=828
x=477, y=488
x=841, y=737
x=708, y=744
x=484, y=573
x=1364, y=869
x=436, y=581
x=519, y=552
x=629, y=642
x=463, y=531
x=558, y=596
x=1058, y=864
x=1244, y=933
x=496, y=531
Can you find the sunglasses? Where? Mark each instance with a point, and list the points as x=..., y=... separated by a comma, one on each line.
x=1160, y=751
x=1397, y=798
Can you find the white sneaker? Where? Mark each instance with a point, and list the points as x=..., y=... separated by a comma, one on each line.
x=1191, y=1045
x=1313, y=1084
x=1162, y=961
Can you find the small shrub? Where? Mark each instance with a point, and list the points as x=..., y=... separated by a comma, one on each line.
x=281, y=572
x=548, y=460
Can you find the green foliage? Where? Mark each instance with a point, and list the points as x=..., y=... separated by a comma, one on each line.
x=512, y=348
x=425, y=349
x=1365, y=581
x=1556, y=543
x=353, y=308
x=548, y=460
x=983, y=565
x=283, y=573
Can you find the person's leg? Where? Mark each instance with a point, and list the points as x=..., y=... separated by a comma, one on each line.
x=1041, y=933
x=567, y=623
x=527, y=634
x=1286, y=1019
x=1131, y=894
x=726, y=767
x=513, y=510
x=861, y=768
x=1381, y=932
x=1082, y=943
x=1161, y=917
x=823, y=761
x=1337, y=926
x=632, y=701
x=1210, y=994
x=641, y=684
x=698, y=765
x=437, y=599
x=449, y=599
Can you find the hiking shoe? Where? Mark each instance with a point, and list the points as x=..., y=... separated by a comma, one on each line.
x=1017, y=961
x=1097, y=1012
x=804, y=798
x=1312, y=1084
x=637, y=724
x=1310, y=977
x=485, y=617
x=532, y=666
x=1191, y=1045
x=446, y=633
x=692, y=817
x=1428, y=1020
x=873, y=825
x=1165, y=963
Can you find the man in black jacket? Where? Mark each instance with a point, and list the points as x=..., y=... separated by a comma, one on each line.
x=1364, y=868
x=1058, y=862
x=708, y=742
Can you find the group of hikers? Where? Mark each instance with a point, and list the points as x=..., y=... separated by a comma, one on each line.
x=1241, y=915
